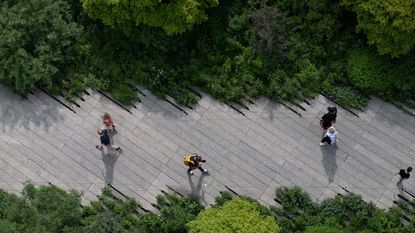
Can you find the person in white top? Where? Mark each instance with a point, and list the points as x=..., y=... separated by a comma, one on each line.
x=330, y=137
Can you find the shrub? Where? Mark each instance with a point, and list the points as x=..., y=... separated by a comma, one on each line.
x=309, y=78
x=281, y=87
x=322, y=229
x=346, y=96
x=237, y=215
x=294, y=199
x=175, y=212
x=222, y=198
x=369, y=73
x=36, y=42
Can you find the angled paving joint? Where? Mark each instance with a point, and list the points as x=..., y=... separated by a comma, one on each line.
x=298, y=105
x=116, y=102
x=172, y=189
x=231, y=190
x=234, y=108
x=290, y=108
x=176, y=106
x=59, y=101
x=125, y=196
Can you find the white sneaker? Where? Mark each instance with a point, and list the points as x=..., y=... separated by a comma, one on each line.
x=205, y=171
x=191, y=173
x=322, y=144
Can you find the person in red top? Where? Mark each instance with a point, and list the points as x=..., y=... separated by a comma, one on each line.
x=107, y=121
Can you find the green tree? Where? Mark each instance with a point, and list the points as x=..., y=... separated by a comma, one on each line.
x=388, y=24
x=175, y=212
x=237, y=215
x=173, y=16
x=36, y=37
x=110, y=214
x=44, y=209
x=322, y=229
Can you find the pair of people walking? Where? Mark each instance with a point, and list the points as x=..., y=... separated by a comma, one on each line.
x=326, y=123
x=105, y=139
x=330, y=137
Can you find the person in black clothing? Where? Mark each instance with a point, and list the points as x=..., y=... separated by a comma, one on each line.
x=105, y=140
x=196, y=162
x=329, y=118
x=403, y=175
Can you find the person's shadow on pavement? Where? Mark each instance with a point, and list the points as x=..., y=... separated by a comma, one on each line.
x=329, y=161
x=197, y=193
x=109, y=157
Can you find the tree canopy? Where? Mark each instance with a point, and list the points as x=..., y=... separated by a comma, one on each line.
x=36, y=38
x=173, y=16
x=235, y=50
x=388, y=24
x=236, y=215
x=49, y=209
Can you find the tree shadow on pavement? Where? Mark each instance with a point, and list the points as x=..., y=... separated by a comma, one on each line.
x=37, y=112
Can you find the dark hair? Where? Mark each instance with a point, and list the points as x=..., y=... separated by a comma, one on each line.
x=332, y=109
x=409, y=169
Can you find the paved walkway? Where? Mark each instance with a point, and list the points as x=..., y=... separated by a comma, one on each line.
x=43, y=141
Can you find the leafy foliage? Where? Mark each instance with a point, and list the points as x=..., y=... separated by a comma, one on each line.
x=381, y=76
x=340, y=214
x=346, y=96
x=388, y=24
x=49, y=209
x=110, y=214
x=45, y=209
x=173, y=16
x=294, y=199
x=235, y=50
x=174, y=214
x=322, y=229
x=237, y=215
x=36, y=42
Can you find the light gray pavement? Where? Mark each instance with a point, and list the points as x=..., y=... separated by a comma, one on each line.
x=271, y=146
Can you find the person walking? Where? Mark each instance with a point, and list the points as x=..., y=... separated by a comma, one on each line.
x=403, y=176
x=194, y=161
x=329, y=118
x=105, y=140
x=330, y=137
x=107, y=121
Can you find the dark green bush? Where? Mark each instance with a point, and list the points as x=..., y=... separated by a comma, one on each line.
x=346, y=96
x=223, y=198
x=323, y=229
x=282, y=87
x=294, y=199
x=174, y=214
x=287, y=50
x=370, y=73
x=36, y=43
x=309, y=78
x=49, y=209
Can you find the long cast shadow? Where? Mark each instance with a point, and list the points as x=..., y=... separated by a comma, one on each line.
x=109, y=158
x=329, y=161
x=197, y=193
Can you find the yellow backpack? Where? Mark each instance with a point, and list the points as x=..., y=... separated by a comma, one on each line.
x=186, y=159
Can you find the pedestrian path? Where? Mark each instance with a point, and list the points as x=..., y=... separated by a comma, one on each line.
x=250, y=150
